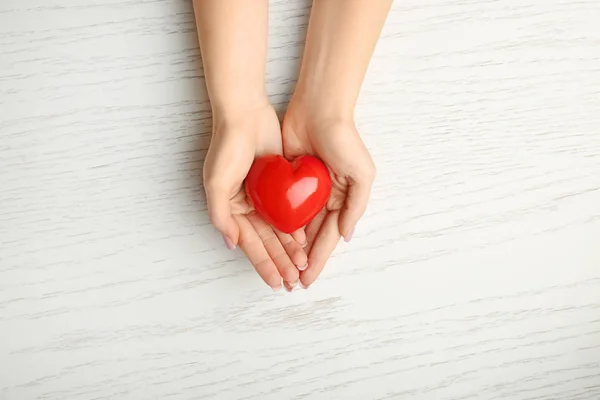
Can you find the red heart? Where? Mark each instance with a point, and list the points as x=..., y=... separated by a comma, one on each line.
x=288, y=194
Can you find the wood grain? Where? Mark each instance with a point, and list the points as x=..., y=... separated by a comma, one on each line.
x=474, y=275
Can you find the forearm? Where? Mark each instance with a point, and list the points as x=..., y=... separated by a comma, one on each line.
x=341, y=38
x=233, y=42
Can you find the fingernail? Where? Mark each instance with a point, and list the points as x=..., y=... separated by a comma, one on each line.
x=228, y=243
x=290, y=286
x=349, y=235
x=305, y=244
x=302, y=267
x=302, y=286
x=278, y=287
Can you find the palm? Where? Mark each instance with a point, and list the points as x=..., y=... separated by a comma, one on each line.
x=261, y=136
x=339, y=146
x=234, y=146
x=304, y=142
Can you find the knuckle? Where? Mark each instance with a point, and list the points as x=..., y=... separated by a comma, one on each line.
x=292, y=247
x=247, y=241
x=266, y=234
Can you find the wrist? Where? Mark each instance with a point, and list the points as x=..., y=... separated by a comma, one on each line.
x=230, y=102
x=248, y=118
x=237, y=108
x=308, y=116
x=317, y=99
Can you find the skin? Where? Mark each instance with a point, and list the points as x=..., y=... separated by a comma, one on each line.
x=341, y=38
x=233, y=41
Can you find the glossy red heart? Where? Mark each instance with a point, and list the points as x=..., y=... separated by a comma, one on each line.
x=288, y=194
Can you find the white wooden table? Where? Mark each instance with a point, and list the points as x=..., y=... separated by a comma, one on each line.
x=474, y=275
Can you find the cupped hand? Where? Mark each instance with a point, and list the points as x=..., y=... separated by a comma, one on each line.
x=337, y=143
x=237, y=139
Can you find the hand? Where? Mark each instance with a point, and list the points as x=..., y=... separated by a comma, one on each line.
x=236, y=140
x=337, y=143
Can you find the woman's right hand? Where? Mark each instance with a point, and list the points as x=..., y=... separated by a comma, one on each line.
x=237, y=139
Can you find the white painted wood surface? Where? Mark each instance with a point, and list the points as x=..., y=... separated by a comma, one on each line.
x=474, y=275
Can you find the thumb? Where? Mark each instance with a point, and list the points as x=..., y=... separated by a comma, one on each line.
x=219, y=212
x=354, y=207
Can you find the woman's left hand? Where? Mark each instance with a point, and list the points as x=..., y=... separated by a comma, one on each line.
x=337, y=143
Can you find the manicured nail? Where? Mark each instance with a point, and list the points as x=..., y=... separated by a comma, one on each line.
x=302, y=286
x=302, y=267
x=290, y=286
x=349, y=235
x=228, y=243
x=278, y=287
x=305, y=244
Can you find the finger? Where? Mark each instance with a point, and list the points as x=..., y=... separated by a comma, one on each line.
x=354, y=207
x=288, y=287
x=285, y=266
x=313, y=227
x=294, y=250
x=254, y=249
x=300, y=237
x=219, y=212
x=325, y=242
